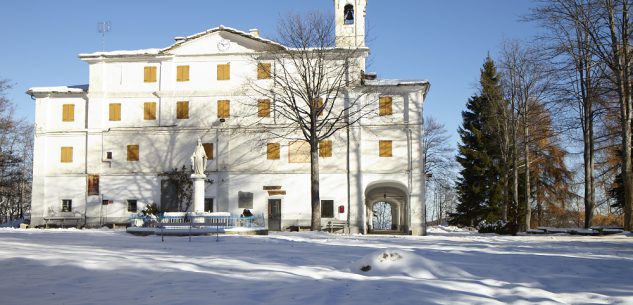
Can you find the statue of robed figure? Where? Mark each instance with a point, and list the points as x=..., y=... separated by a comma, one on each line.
x=199, y=159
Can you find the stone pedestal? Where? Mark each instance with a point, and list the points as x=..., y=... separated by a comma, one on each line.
x=198, y=192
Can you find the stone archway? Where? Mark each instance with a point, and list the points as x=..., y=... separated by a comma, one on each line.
x=379, y=195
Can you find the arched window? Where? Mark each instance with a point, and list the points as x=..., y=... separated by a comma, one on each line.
x=348, y=13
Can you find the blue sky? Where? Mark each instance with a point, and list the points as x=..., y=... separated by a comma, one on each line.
x=444, y=41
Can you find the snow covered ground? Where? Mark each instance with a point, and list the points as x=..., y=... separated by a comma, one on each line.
x=448, y=267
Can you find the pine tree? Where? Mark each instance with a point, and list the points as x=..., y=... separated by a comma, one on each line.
x=480, y=187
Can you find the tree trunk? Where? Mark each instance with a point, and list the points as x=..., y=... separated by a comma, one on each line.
x=588, y=165
x=526, y=158
x=315, y=224
x=515, y=170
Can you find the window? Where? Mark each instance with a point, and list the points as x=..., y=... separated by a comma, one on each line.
x=67, y=205
x=385, y=105
x=325, y=148
x=224, y=109
x=182, y=110
x=224, y=72
x=67, y=154
x=93, y=185
x=149, y=111
x=263, y=71
x=149, y=74
x=318, y=105
x=208, y=204
x=132, y=205
x=132, y=152
x=182, y=73
x=327, y=208
x=348, y=14
x=263, y=108
x=244, y=200
x=384, y=148
x=115, y=112
x=299, y=152
x=208, y=149
x=68, y=113
x=272, y=151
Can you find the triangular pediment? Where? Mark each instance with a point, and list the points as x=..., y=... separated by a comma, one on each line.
x=221, y=40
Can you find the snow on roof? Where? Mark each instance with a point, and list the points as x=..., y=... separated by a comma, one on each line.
x=396, y=82
x=58, y=89
x=122, y=53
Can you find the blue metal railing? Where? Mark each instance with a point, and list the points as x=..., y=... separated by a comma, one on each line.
x=200, y=220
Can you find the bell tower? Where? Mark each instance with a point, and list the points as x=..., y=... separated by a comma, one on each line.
x=350, y=22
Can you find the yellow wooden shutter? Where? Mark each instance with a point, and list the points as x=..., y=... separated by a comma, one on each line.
x=115, y=112
x=208, y=149
x=182, y=110
x=67, y=154
x=224, y=109
x=182, y=73
x=263, y=108
x=68, y=113
x=133, y=152
x=272, y=151
x=325, y=148
x=224, y=72
x=263, y=71
x=149, y=74
x=385, y=105
x=385, y=148
x=149, y=111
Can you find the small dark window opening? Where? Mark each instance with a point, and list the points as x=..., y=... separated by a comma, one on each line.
x=208, y=204
x=131, y=206
x=67, y=205
x=245, y=200
x=327, y=208
x=348, y=12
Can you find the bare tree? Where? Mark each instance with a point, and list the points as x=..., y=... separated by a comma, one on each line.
x=439, y=156
x=316, y=88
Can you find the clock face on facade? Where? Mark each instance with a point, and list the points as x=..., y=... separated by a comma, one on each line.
x=224, y=45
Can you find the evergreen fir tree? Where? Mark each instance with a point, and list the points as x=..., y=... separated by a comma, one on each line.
x=480, y=187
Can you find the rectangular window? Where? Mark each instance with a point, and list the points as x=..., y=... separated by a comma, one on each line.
x=263, y=108
x=93, y=185
x=208, y=149
x=149, y=111
x=325, y=148
x=384, y=148
x=68, y=113
x=182, y=73
x=245, y=200
x=298, y=152
x=385, y=105
x=327, y=208
x=263, y=71
x=208, y=204
x=224, y=109
x=67, y=154
x=132, y=205
x=132, y=152
x=318, y=106
x=67, y=205
x=272, y=151
x=149, y=74
x=115, y=112
x=182, y=110
x=224, y=72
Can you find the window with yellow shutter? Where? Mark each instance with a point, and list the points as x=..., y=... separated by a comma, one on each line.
x=263, y=108
x=182, y=73
x=67, y=154
x=272, y=151
x=149, y=111
x=68, y=113
x=208, y=149
x=385, y=148
x=385, y=105
x=224, y=72
x=182, y=110
x=263, y=71
x=115, y=112
x=149, y=74
x=224, y=109
x=325, y=148
x=318, y=105
x=298, y=152
x=132, y=152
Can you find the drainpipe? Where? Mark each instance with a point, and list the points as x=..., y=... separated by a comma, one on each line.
x=409, y=176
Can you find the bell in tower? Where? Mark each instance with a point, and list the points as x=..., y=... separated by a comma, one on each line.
x=349, y=14
x=350, y=23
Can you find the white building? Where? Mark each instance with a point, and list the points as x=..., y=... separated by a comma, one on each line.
x=99, y=148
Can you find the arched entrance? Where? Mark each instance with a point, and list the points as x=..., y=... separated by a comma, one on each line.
x=386, y=207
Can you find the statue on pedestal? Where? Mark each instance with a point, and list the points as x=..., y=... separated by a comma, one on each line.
x=199, y=159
